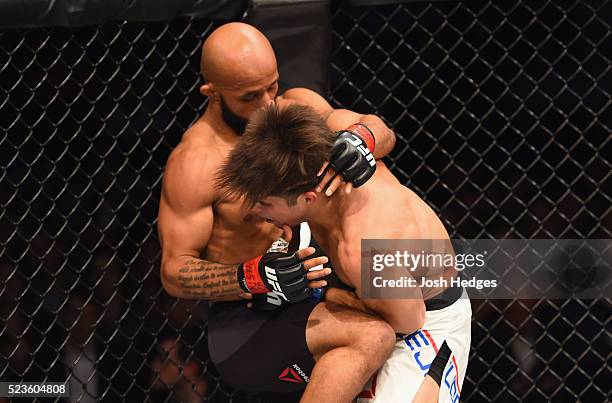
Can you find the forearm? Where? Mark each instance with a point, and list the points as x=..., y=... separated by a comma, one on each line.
x=193, y=278
x=383, y=135
x=405, y=315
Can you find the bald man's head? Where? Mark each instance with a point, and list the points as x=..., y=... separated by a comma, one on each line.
x=236, y=54
x=240, y=73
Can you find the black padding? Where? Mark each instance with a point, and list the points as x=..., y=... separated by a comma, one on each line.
x=300, y=34
x=74, y=13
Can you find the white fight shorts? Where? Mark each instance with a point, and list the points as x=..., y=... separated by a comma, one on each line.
x=400, y=377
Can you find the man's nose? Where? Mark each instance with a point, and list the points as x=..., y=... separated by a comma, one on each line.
x=267, y=100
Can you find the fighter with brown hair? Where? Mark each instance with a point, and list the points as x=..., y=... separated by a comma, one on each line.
x=279, y=180
x=215, y=248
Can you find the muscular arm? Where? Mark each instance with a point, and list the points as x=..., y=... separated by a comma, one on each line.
x=185, y=226
x=197, y=278
x=339, y=119
x=404, y=315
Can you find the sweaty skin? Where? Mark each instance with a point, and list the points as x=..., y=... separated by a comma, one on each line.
x=381, y=209
x=204, y=236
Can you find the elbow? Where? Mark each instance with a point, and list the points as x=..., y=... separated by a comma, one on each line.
x=384, y=135
x=392, y=139
x=166, y=277
x=412, y=321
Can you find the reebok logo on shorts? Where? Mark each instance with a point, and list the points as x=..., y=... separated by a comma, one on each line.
x=293, y=374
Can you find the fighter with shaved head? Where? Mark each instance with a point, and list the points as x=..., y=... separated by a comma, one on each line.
x=215, y=248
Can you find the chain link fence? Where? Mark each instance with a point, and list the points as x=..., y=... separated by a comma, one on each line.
x=503, y=115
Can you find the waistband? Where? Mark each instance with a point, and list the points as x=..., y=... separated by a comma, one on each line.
x=444, y=299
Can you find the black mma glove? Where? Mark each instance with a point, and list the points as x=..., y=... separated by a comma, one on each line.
x=267, y=302
x=352, y=155
x=282, y=273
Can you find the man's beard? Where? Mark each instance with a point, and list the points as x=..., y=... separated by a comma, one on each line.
x=235, y=122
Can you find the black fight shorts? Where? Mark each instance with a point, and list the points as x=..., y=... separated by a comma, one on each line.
x=261, y=351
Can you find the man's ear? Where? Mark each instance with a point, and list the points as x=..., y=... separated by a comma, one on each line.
x=310, y=197
x=208, y=90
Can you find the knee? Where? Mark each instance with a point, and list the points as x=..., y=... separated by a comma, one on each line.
x=377, y=340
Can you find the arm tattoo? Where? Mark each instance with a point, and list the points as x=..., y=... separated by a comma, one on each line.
x=209, y=280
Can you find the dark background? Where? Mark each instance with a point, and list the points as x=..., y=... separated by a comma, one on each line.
x=503, y=115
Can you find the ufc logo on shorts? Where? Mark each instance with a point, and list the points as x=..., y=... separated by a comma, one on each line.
x=423, y=350
x=450, y=380
x=273, y=281
x=355, y=141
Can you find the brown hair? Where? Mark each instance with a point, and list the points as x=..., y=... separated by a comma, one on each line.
x=279, y=154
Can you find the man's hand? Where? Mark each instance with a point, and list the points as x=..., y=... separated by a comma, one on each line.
x=285, y=274
x=351, y=162
x=271, y=301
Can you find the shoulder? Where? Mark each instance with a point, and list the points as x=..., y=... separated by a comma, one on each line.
x=308, y=97
x=188, y=181
x=300, y=93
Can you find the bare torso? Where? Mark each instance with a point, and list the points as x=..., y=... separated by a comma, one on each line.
x=382, y=209
x=237, y=234
x=203, y=231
